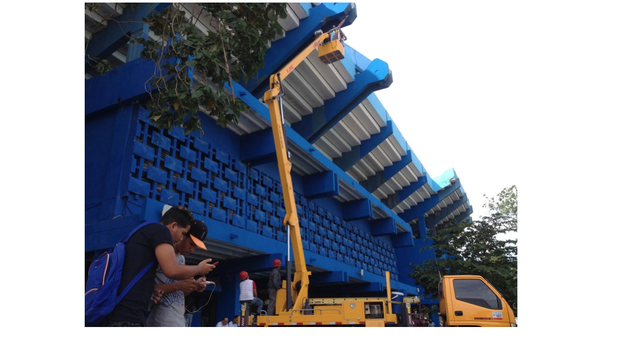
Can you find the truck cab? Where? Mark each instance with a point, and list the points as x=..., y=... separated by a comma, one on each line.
x=470, y=301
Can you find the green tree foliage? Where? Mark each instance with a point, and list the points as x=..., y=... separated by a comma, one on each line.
x=231, y=51
x=476, y=248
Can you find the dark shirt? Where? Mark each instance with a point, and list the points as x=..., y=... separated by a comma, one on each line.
x=274, y=281
x=140, y=251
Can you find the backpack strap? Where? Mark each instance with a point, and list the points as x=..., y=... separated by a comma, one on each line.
x=138, y=276
x=141, y=273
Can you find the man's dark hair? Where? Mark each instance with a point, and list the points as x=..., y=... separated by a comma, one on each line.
x=178, y=214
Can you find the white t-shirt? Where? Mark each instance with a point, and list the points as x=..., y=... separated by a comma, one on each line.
x=169, y=311
x=246, y=290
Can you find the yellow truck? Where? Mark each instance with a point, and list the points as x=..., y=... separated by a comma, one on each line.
x=470, y=301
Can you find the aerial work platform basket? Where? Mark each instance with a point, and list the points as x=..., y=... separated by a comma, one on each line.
x=333, y=50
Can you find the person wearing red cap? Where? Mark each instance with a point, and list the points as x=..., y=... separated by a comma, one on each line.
x=169, y=310
x=248, y=292
x=274, y=284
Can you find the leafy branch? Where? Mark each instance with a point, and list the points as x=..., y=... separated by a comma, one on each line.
x=185, y=56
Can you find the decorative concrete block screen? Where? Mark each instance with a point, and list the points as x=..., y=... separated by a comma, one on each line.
x=176, y=169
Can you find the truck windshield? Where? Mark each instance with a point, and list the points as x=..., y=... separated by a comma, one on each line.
x=477, y=293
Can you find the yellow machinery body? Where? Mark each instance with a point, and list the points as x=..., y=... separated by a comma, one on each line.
x=334, y=311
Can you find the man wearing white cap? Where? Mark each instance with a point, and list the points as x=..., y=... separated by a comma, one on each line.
x=169, y=311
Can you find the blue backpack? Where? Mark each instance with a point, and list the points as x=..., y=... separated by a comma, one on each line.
x=104, y=279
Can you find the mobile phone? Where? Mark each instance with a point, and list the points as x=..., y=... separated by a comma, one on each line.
x=215, y=263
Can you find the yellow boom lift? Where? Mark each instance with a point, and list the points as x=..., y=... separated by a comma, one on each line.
x=293, y=305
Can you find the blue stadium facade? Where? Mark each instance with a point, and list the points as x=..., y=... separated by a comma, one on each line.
x=364, y=200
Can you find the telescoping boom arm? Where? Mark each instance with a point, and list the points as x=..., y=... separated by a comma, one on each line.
x=331, y=51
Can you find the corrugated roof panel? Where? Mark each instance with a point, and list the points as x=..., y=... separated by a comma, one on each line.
x=402, y=180
x=356, y=174
x=297, y=82
x=429, y=191
x=455, y=196
x=356, y=127
x=390, y=187
x=400, y=208
x=380, y=193
x=316, y=80
x=365, y=118
x=205, y=23
x=290, y=114
x=327, y=149
x=374, y=114
x=396, y=145
x=94, y=22
x=381, y=155
x=447, y=201
x=420, y=196
x=337, y=140
x=368, y=168
x=346, y=133
x=291, y=21
x=412, y=169
x=298, y=10
x=295, y=99
x=370, y=162
x=410, y=201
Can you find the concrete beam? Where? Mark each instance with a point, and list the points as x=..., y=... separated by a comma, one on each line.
x=358, y=209
x=432, y=221
x=321, y=185
x=402, y=240
x=394, y=199
x=385, y=226
x=375, y=181
x=259, y=148
x=350, y=158
x=312, y=127
x=421, y=208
